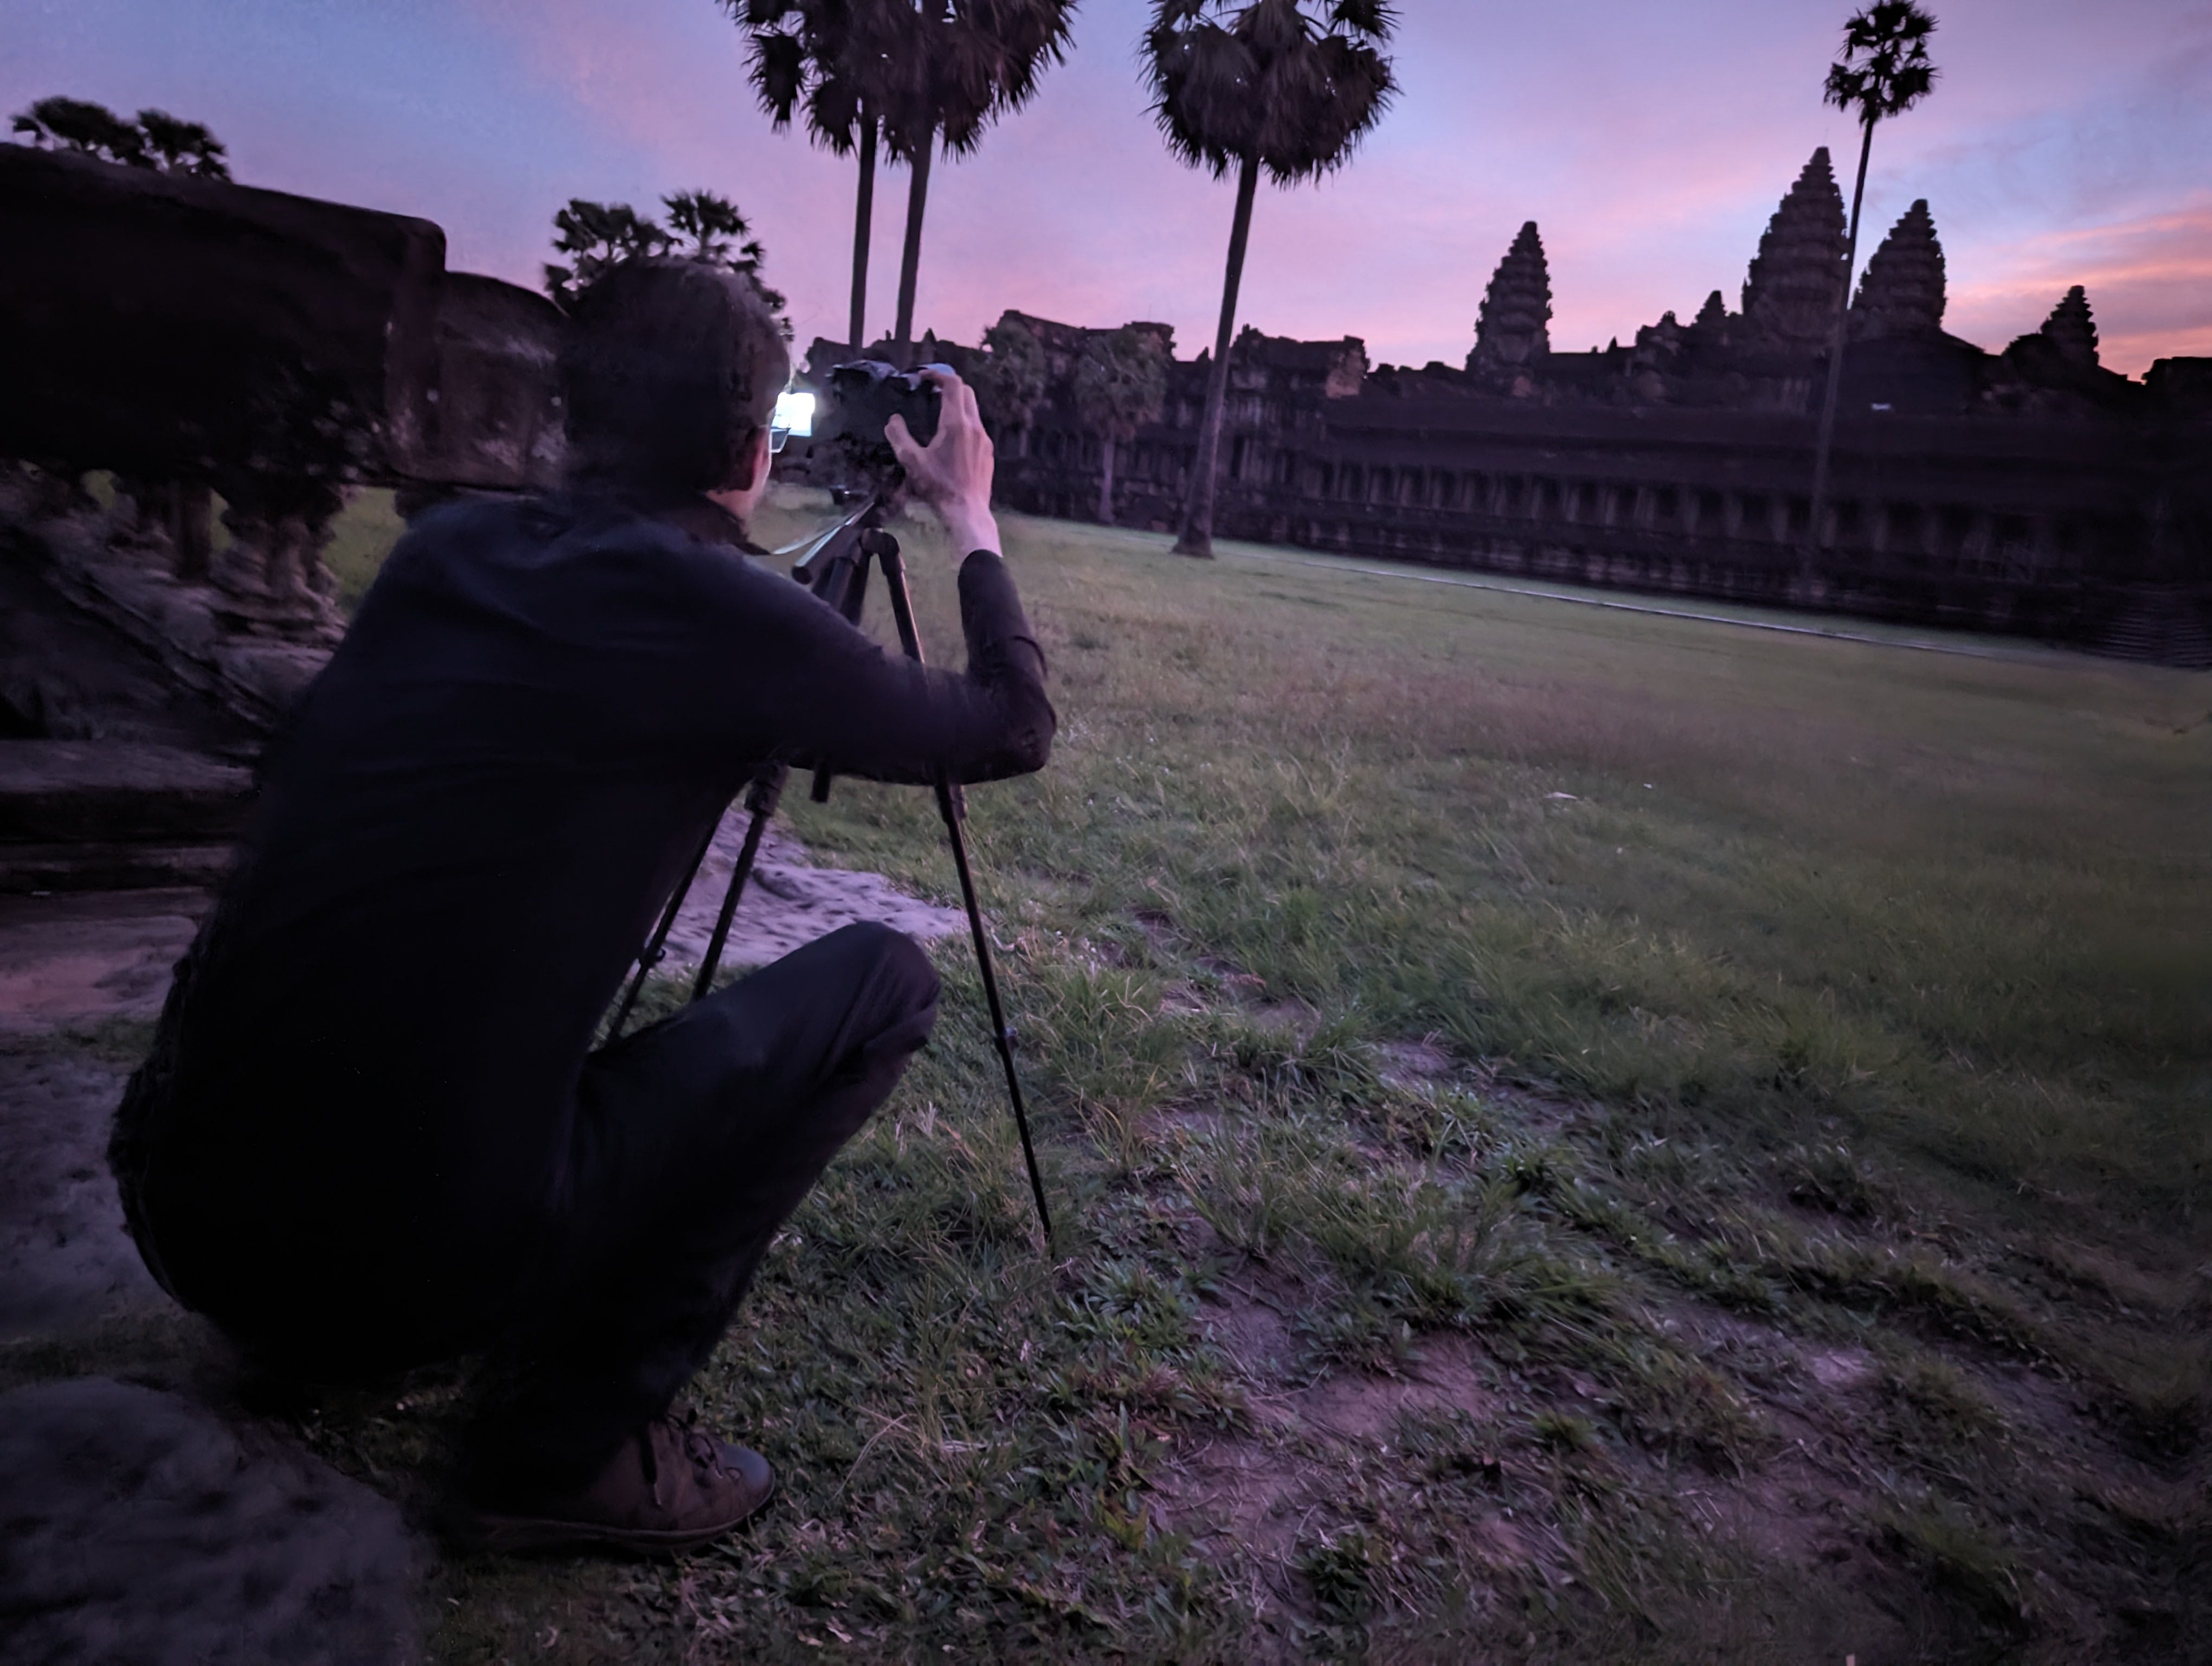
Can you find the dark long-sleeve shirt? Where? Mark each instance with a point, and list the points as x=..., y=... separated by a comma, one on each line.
x=486, y=797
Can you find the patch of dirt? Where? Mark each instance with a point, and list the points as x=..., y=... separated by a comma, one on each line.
x=1253, y=1329
x=1850, y=1469
x=1409, y=1063
x=1255, y=1492
x=1292, y=1017
x=788, y=901
x=1363, y=1410
x=1826, y=1480
x=1840, y=1369
x=83, y=956
x=1233, y=1493
x=1160, y=932
x=66, y=1261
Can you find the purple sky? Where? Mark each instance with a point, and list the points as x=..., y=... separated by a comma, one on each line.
x=2066, y=144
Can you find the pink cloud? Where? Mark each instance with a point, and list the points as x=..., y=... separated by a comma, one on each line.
x=2147, y=280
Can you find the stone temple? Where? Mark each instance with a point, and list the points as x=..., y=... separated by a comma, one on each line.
x=2029, y=490
x=188, y=344
x=192, y=343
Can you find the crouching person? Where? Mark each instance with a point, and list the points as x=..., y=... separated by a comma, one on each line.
x=373, y=1131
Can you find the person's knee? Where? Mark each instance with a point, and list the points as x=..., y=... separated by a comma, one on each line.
x=905, y=966
x=895, y=988
x=893, y=1003
x=902, y=986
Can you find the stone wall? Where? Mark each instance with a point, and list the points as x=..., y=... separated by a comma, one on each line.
x=197, y=343
x=198, y=340
x=2099, y=535
x=2031, y=490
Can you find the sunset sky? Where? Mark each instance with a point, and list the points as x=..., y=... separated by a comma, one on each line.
x=2065, y=143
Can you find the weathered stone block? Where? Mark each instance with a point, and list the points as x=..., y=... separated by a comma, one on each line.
x=174, y=327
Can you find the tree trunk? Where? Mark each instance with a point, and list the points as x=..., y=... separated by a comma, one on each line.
x=1197, y=535
x=864, y=221
x=917, y=200
x=1815, y=535
x=1106, y=482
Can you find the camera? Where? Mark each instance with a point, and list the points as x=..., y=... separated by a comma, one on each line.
x=845, y=420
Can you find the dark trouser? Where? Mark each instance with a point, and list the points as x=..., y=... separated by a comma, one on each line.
x=690, y=1143
x=695, y=1140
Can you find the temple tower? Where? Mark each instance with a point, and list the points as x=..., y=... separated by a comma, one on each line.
x=1713, y=327
x=1510, y=334
x=2071, y=330
x=1796, y=280
x=1902, y=293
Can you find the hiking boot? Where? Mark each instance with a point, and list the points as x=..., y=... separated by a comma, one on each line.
x=670, y=1486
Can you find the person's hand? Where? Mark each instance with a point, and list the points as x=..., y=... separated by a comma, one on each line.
x=952, y=472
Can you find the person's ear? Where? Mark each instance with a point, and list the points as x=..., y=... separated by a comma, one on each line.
x=751, y=479
x=754, y=469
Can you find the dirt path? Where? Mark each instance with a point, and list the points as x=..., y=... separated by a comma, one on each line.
x=789, y=902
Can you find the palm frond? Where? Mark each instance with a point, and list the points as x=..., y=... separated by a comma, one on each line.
x=1885, y=70
x=1293, y=88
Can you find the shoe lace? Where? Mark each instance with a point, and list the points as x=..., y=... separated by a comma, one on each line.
x=699, y=1448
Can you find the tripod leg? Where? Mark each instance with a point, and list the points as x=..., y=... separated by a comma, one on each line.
x=761, y=799
x=651, y=957
x=951, y=807
x=999, y=1032
x=887, y=556
x=851, y=599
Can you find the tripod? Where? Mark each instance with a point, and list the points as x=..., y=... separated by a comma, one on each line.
x=835, y=567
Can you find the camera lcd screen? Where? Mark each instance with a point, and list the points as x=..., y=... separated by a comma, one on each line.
x=794, y=414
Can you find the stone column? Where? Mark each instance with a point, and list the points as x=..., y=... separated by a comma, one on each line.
x=272, y=578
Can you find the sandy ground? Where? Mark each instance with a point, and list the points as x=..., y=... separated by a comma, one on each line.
x=78, y=958
x=789, y=900
x=149, y=1525
x=71, y=959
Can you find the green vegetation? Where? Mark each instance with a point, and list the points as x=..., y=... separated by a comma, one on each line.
x=1578, y=1136
x=361, y=538
x=1788, y=1151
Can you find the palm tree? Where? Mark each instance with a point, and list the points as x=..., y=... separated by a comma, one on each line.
x=714, y=226
x=1286, y=86
x=68, y=124
x=1010, y=381
x=1885, y=72
x=1120, y=381
x=826, y=57
x=156, y=140
x=176, y=146
x=596, y=236
x=908, y=76
x=951, y=73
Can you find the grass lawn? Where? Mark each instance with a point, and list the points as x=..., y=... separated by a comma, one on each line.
x=1576, y=1136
